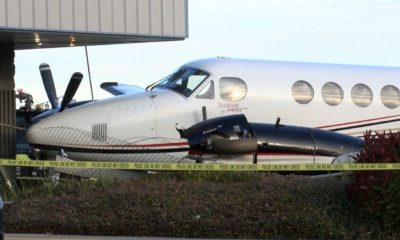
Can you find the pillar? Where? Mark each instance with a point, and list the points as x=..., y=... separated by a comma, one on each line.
x=7, y=113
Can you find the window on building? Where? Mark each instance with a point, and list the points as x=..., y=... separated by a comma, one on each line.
x=332, y=93
x=232, y=89
x=302, y=92
x=390, y=96
x=361, y=95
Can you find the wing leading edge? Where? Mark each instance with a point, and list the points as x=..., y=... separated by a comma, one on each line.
x=119, y=89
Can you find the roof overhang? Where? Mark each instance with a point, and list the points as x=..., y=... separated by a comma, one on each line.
x=33, y=24
x=46, y=39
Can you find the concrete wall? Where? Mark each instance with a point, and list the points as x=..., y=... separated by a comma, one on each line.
x=132, y=17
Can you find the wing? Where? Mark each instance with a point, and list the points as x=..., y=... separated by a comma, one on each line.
x=119, y=89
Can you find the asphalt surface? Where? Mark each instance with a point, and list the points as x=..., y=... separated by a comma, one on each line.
x=16, y=236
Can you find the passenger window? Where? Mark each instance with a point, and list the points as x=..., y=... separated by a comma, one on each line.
x=302, y=92
x=361, y=95
x=232, y=89
x=332, y=93
x=207, y=92
x=390, y=96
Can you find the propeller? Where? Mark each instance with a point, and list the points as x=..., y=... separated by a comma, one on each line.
x=72, y=87
x=48, y=83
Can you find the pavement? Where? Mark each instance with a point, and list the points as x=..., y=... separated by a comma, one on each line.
x=17, y=236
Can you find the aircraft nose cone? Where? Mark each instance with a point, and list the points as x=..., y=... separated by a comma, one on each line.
x=42, y=133
x=33, y=135
x=56, y=132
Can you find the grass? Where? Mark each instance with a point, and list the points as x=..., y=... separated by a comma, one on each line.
x=199, y=205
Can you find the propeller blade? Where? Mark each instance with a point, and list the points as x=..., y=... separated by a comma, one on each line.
x=72, y=87
x=48, y=83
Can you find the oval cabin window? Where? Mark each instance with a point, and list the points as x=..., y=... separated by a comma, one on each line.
x=332, y=93
x=302, y=92
x=390, y=96
x=232, y=89
x=361, y=95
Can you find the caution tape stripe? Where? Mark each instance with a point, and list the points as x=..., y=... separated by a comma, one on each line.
x=200, y=167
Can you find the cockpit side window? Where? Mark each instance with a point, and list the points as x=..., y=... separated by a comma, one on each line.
x=207, y=92
x=232, y=89
x=184, y=81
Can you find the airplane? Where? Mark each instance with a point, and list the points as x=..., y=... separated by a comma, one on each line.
x=73, y=85
x=224, y=109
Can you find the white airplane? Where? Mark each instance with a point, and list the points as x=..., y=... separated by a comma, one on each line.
x=243, y=101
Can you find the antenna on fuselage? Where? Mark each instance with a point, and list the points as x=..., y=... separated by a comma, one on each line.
x=204, y=111
x=278, y=121
x=88, y=67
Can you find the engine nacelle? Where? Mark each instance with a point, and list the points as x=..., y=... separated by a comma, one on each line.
x=235, y=135
x=222, y=135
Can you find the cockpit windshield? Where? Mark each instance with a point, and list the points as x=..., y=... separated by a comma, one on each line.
x=184, y=81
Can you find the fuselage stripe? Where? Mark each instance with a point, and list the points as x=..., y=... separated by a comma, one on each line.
x=362, y=121
x=107, y=150
x=140, y=145
x=364, y=125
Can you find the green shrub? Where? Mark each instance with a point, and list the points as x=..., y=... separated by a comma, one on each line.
x=378, y=192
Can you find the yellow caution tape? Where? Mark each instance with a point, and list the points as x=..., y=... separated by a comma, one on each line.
x=200, y=167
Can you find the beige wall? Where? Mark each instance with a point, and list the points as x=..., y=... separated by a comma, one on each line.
x=133, y=17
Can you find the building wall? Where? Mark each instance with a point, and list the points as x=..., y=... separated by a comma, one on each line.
x=132, y=17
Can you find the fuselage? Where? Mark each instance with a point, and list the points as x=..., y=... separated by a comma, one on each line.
x=347, y=99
